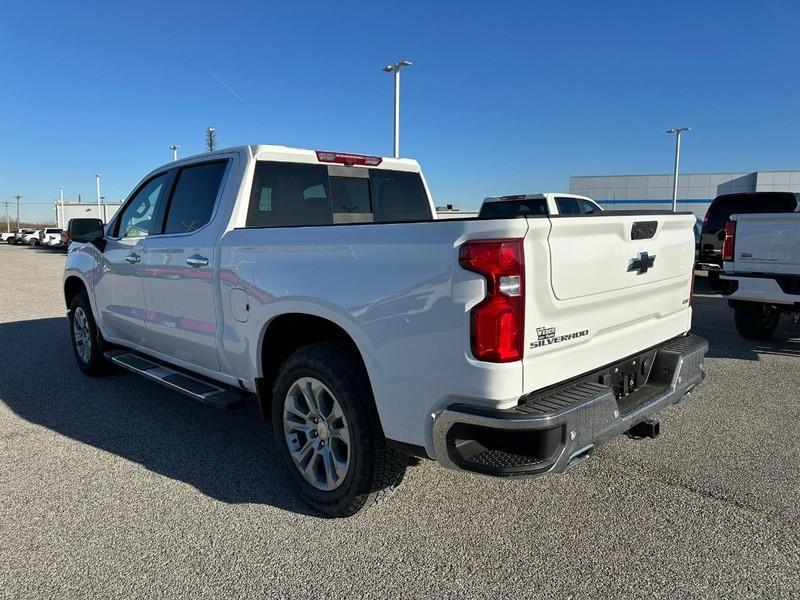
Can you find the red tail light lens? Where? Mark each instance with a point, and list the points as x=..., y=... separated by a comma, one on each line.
x=730, y=241
x=343, y=158
x=498, y=322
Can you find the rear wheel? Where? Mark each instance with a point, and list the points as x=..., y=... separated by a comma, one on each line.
x=328, y=433
x=756, y=321
x=87, y=343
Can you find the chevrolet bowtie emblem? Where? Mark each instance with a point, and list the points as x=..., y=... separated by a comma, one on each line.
x=642, y=263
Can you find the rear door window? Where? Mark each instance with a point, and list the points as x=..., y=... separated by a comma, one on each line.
x=194, y=197
x=587, y=208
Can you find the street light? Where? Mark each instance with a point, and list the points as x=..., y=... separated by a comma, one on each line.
x=677, y=131
x=97, y=175
x=395, y=68
x=174, y=149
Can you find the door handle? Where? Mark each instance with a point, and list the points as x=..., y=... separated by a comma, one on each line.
x=133, y=258
x=197, y=261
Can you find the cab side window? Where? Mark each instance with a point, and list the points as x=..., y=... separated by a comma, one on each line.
x=194, y=197
x=587, y=208
x=568, y=206
x=137, y=217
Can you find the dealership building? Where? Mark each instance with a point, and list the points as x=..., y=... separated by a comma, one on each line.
x=695, y=190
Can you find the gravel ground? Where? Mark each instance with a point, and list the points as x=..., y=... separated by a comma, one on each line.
x=115, y=487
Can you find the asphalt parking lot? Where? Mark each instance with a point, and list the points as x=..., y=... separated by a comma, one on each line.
x=116, y=487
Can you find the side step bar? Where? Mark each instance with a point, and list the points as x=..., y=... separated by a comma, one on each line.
x=212, y=394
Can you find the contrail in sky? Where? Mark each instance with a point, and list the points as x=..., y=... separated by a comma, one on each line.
x=226, y=86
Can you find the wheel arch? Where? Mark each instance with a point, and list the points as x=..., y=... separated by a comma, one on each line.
x=73, y=285
x=288, y=332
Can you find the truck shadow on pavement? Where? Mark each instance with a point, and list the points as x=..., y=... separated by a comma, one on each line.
x=229, y=456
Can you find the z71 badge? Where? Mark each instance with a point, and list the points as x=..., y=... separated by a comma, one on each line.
x=547, y=336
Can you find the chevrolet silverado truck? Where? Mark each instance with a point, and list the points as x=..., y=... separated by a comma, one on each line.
x=761, y=254
x=322, y=285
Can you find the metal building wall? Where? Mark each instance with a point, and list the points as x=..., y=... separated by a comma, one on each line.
x=695, y=190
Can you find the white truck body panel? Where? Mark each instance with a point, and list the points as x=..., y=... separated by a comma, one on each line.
x=766, y=243
x=767, y=247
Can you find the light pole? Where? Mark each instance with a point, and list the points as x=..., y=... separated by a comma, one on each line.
x=174, y=149
x=677, y=131
x=395, y=68
x=61, y=197
x=17, y=197
x=97, y=178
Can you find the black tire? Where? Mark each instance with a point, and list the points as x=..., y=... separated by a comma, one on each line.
x=756, y=321
x=714, y=281
x=374, y=470
x=92, y=363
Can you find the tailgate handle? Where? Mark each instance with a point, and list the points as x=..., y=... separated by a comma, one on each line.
x=643, y=230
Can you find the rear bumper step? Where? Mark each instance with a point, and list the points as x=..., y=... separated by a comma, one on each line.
x=191, y=385
x=553, y=430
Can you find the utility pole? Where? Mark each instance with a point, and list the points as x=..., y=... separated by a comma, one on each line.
x=395, y=68
x=17, y=197
x=677, y=131
x=211, y=139
x=61, y=196
x=8, y=223
x=97, y=179
x=174, y=149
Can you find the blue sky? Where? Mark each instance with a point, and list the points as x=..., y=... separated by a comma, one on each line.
x=503, y=97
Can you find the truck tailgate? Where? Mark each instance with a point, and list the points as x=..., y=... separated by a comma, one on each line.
x=601, y=288
x=766, y=243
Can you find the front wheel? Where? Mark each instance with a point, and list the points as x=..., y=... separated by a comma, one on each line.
x=87, y=343
x=327, y=430
x=756, y=321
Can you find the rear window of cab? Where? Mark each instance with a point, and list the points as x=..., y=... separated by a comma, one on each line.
x=303, y=194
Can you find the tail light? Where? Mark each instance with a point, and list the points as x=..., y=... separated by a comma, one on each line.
x=344, y=158
x=730, y=241
x=498, y=322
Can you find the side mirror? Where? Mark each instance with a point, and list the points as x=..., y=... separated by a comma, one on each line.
x=85, y=230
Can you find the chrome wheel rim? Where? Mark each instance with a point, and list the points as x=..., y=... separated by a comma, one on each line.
x=82, y=335
x=316, y=433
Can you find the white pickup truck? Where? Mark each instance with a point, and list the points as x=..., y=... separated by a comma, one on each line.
x=761, y=264
x=322, y=285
